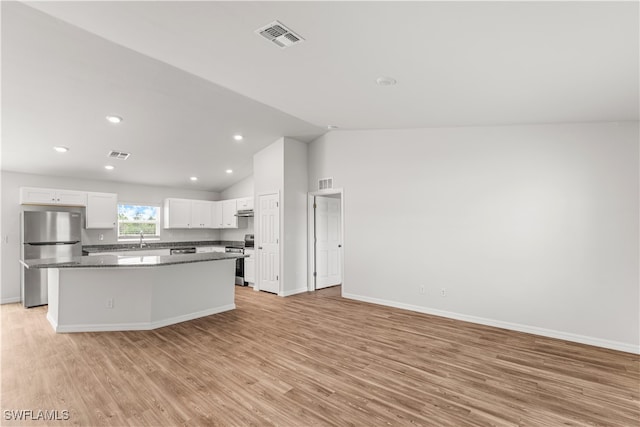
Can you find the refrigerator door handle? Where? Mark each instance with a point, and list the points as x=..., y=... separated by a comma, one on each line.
x=51, y=243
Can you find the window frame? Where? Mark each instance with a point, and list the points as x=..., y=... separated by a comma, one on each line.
x=147, y=237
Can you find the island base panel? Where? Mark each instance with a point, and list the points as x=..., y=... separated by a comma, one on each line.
x=121, y=299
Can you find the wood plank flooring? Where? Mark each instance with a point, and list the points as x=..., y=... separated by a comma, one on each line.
x=313, y=359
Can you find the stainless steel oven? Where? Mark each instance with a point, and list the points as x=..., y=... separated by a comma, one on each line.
x=239, y=263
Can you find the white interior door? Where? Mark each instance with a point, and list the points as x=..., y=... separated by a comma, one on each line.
x=328, y=242
x=269, y=243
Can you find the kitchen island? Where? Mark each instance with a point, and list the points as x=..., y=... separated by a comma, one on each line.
x=123, y=293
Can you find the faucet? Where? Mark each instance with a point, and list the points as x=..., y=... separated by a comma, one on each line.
x=142, y=245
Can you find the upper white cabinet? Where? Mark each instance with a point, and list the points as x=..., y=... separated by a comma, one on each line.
x=177, y=213
x=229, y=211
x=245, y=203
x=201, y=214
x=49, y=196
x=186, y=213
x=102, y=210
x=217, y=215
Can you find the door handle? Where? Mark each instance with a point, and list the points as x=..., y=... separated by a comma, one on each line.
x=260, y=247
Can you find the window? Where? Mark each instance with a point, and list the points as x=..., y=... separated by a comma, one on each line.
x=136, y=219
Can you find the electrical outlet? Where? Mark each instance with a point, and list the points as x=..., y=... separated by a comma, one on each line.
x=443, y=292
x=101, y=237
x=422, y=289
x=109, y=302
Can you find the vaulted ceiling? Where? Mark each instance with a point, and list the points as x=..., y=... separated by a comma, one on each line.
x=187, y=76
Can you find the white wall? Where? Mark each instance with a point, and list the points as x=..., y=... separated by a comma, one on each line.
x=295, y=216
x=268, y=168
x=242, y=188
x=144, y=194
x=533, y=228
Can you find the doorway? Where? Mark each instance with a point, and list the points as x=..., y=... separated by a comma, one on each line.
x=268, y=243
x=326, y=231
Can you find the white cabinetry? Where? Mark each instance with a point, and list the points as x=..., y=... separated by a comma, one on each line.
x=50, y=196
x=177, y=213
x=250, y=266
x=217, y=215
x=186, y=213
x=201, y=214
x=229, y=211
x=245, y=203
x=102, y=210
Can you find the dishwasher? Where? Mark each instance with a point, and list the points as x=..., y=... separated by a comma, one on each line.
x=180, y=251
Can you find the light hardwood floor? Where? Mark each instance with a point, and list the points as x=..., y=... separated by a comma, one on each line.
x=311, y=360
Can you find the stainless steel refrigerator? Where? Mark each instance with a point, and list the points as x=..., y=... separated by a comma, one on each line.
x=47, y=235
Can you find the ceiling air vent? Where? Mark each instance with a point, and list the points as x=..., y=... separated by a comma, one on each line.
x=325, y=183
x=118, y=155
x=278, y=34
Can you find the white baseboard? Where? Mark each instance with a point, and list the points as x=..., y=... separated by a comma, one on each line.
x=550, y=333
x=139, y=326
x=10, y=300
x=293, y=292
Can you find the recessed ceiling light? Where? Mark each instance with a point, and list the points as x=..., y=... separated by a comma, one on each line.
x=194, y=178
x=229, y=171
x=238, y=137
x=109, y=167
x=114, y=119
x=61, y=149
x=386, y=81
x=332, y=127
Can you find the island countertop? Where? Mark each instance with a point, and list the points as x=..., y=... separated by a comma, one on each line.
x=114, y=261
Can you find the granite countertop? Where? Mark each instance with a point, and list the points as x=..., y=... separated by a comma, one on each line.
x=111, y=261
x=158, y=245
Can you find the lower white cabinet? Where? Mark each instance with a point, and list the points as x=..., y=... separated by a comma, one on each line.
x=250, y=266
x=102, y=210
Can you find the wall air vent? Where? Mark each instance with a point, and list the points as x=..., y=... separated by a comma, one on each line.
x=118, y=155
x=278, y=34
x=325, y=183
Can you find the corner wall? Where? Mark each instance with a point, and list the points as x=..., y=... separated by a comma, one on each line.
x=533, y=228
x=282, y=167
x=295, y=215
